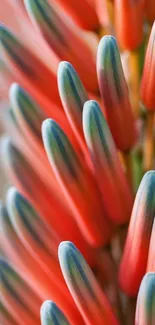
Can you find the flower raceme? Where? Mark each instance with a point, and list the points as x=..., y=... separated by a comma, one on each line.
x=77, y=231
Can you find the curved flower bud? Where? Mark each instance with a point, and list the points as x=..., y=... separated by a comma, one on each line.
x=129, y=16
x=51, y=314
x=21, y=301
x=148, y=78
x=134, y=260
x=77, y=183
x=30, y=71
x=114, y=94
x=84, y=288
x=64, y=38
x=145, y=310
x=116, y=194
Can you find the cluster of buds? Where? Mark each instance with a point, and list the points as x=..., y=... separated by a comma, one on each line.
x=77, y=225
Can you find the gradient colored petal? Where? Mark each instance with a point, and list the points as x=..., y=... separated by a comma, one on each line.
x=84, y=288
x=64, y=38
x=51, y=314
x=78, y=184
x=116, y=194
x=145, y=310
x=115, y=95
x=134, y=260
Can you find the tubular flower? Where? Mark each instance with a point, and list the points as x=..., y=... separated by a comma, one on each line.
x=138, y=237
x=114, y=94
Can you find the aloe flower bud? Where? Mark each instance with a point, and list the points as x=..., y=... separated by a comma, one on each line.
x=134, y=260
x=114, y=94
x=85, y=290
x=145, y=310
x=64, y=38
x=116, y=194
x=21, y=301
x=129, y=23
x=77, y=183
x=73, y=96
x=148, y=78
x=51, y=314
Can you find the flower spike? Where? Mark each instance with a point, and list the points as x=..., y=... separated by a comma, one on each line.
x=145, y=310
x=51, y=314
x=115, y=95
x=134, y=260
x=84, y=288
x=107, y=168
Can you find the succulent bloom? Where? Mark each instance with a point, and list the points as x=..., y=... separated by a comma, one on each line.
x=134, y=260
x=51, y=314
x=145, y=311
x=63, y=227
x=86, y=292
x=114, y=92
